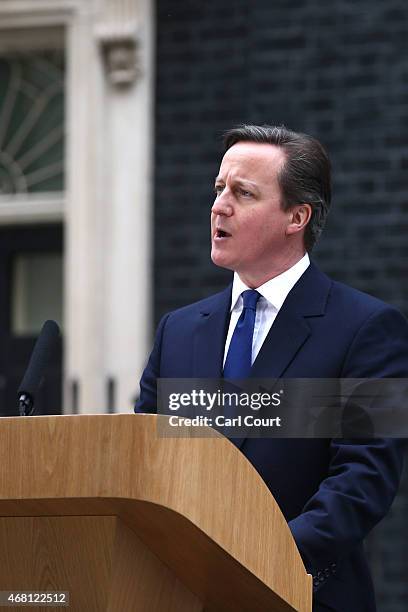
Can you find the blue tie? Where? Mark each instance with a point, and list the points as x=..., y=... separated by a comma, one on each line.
x=238, y=362
x=239, y=357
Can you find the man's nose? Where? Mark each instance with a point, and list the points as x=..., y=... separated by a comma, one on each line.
x=222, y=205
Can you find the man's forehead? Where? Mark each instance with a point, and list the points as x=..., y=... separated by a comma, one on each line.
x=252, y=158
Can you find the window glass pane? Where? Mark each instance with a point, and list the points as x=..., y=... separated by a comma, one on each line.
x=36, y=292
x=31, y=122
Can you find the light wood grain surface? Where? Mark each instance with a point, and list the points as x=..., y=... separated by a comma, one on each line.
x=195, y=504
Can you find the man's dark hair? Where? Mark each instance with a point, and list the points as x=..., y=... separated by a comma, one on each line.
x=305, y=176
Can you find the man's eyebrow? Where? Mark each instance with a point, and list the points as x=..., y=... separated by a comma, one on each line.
x=243, y=181
x=238, y=180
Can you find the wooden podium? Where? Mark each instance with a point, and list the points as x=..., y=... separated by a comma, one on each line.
x=124, y=520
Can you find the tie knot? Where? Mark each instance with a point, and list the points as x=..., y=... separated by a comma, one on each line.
x=250, y=298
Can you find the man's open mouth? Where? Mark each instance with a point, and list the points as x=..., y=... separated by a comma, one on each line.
x=222, y=234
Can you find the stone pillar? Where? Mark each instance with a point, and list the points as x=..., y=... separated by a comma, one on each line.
x=108, y=263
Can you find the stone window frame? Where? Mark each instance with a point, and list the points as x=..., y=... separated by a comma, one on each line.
x=30, y=25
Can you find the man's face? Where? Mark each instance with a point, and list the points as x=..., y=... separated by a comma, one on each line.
x=248, y=225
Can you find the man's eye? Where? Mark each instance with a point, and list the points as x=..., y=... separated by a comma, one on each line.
x=218, y=189
x=246, y=194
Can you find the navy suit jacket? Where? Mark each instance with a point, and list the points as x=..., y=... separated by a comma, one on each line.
x=332, y=492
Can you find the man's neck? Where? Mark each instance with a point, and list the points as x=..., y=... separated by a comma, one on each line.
x=253, y=280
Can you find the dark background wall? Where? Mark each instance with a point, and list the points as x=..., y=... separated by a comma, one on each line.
x=337, y=70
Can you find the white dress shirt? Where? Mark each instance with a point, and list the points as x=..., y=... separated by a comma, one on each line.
x=273, y=294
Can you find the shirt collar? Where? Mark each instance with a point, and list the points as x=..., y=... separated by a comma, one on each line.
x=274, y=290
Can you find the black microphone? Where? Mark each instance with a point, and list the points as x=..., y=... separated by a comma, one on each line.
x=43, y=348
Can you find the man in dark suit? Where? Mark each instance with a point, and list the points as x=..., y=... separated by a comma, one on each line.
x=272, y=199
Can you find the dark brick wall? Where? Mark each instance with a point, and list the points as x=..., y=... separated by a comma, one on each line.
x=202, y=76
x=338, y=70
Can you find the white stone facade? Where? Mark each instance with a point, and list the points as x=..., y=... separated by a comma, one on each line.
x=107, y=205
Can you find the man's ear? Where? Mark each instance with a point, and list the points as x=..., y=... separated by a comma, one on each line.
x=299, y=218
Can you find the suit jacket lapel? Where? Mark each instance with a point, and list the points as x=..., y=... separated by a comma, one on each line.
x=290, y=329
x=210, y=334
x=287, y=335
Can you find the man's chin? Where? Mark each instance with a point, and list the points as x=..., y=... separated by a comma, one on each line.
x=221, y=261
